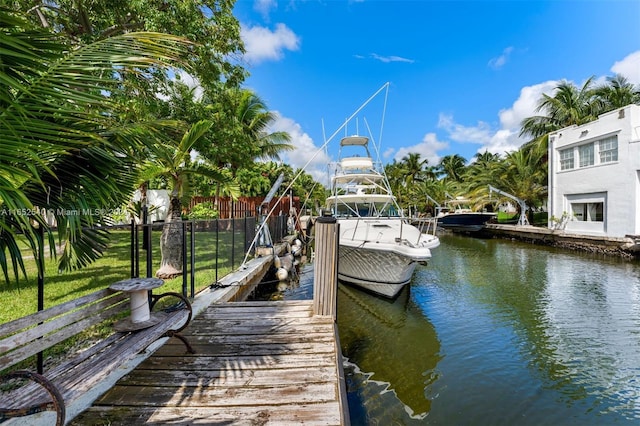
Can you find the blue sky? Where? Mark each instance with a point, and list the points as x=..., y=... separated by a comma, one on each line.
x=462, y=74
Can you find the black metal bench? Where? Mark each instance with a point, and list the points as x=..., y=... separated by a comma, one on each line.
x=26, y=392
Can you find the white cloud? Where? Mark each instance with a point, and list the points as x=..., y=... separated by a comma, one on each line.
x=264, y=7
x=306, y=154
x=525, y=105
x=505, y=138
x=187, y=79
x=387, y=59
x=480, y=134
x=428, y=149
x=388, y=153
x=500, y=61
x=262, y=44
x=191, y=82
x=629, y=67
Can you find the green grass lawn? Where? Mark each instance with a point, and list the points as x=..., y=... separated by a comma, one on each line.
x=539, y=218
x=20, y=298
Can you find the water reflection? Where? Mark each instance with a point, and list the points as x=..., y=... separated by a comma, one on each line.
x=536, y=335
x=496, y=332
x=590, y=315
x=393, y=344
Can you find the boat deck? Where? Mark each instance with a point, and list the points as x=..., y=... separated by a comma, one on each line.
x=255, y=363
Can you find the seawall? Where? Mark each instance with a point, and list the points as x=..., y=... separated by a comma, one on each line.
x=627, y=247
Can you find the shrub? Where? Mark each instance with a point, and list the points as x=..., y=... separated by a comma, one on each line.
x=204, y=210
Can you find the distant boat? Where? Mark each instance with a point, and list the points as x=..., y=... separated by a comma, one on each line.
x=379, y=248
x=457, y=216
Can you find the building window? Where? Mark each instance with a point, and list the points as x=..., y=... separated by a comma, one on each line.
x=566, y=159
x=588, y=212
x=585, y=155
x=608, y=149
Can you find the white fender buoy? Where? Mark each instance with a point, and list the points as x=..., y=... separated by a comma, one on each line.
x=286, y=261
x=282, y=274
x=296, y=249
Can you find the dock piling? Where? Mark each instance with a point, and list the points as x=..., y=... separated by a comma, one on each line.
x=325, y=280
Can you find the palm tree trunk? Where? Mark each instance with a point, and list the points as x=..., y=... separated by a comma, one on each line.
x=171, y=242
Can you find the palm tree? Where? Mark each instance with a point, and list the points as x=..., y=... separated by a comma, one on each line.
x=484, y=171
x=568, y=106
x=413, y=168
x=254, y=119
x=63, y=150
x=617, y=93
x=452, y=166
x=174, y=164
x=522, y=177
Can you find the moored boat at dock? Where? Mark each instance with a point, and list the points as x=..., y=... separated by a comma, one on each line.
x=379, y=247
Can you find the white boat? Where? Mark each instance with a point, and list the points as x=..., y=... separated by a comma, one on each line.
x=379, y=248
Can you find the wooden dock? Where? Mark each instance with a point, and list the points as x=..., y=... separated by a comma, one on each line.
x=255, y=363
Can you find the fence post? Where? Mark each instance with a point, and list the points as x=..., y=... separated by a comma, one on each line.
x=132, y=241
x=325, y=279
x=184, y=258
x=217, y=246
x=193, y=258
x=149, y=249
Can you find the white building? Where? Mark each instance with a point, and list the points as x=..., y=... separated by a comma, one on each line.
x=594, y=176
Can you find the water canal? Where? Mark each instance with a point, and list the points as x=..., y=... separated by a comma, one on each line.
x=495, y=332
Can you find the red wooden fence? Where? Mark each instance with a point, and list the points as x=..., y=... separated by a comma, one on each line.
x=247, y=206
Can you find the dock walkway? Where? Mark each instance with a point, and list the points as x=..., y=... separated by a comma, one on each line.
x=255, y=363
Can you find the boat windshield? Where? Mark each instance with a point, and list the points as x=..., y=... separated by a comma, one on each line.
x=366, y=209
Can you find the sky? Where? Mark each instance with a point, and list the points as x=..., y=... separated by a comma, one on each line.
x=461, y=75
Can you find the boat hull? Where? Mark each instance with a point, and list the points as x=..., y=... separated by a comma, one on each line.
x=380, y=272
x=465, y=222
x=380, y=254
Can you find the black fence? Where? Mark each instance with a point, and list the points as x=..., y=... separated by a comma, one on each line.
x=210, y=248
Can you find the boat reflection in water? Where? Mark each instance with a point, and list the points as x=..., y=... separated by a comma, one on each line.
x=390, y=343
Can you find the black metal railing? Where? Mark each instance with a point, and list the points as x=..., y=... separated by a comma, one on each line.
x=214, y=245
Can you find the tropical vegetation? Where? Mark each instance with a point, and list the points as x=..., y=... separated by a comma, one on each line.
x=105, y=97
x=96, y=104
x=420, y=186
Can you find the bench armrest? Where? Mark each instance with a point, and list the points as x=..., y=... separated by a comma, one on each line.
x=183, y=303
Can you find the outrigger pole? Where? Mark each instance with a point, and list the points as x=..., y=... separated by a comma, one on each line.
x=385, y=85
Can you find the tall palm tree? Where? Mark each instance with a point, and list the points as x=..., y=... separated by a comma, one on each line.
x=242, y=132
x=413, y=168
x=63, y=149
x=618, y=92
x=522, y=177
x=173, y=162
x=452, y=166
x=253, y=117
x=569, y=105
x=484, y=171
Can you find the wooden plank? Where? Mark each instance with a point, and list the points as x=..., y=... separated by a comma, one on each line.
x=79, y=374
x=260, y=339
x=263, y=327
x=202, y=363
x=231, y=377
x=318, y=414
x=255, y=362
x=251, y=312
x=37, y=329
x=24, y=322
x=264, y=350
x=265, y=304
x=205, y=396
x=37, y=345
